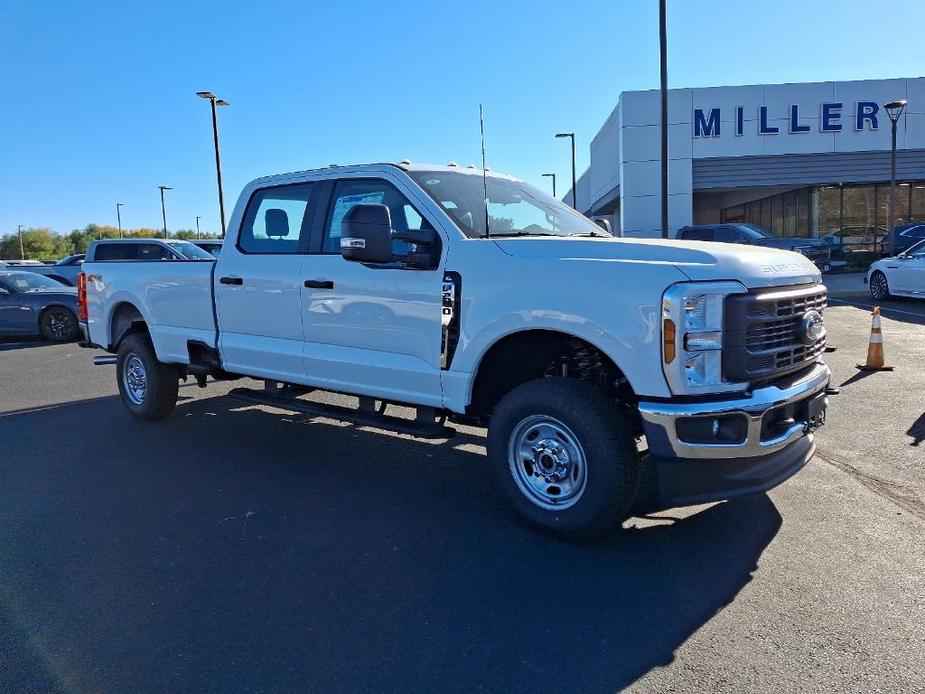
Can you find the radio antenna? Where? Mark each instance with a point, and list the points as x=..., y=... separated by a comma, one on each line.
x=484, y=176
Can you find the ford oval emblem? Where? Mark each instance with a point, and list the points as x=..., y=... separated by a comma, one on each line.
x=812, y=328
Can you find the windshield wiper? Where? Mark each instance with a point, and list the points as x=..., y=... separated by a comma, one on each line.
x=595, y=234
x=502, y=234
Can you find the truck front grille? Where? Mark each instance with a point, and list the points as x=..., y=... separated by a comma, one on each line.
x=763, y=333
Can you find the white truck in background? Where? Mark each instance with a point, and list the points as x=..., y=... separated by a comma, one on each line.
x=614, y=375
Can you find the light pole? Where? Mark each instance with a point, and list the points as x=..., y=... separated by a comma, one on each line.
x=553, y=182
x=574, y=185
x=215, y=101
x=894, y=110
x=663, y=79
x=119, y=217
x=164, y=208
x=198, y=233
x=22, y=252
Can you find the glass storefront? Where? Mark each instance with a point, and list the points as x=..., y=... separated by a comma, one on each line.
x=856, y=215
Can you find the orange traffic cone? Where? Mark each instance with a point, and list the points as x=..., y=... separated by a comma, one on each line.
x=875, y=346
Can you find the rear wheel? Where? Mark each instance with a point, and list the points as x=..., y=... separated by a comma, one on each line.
x=58, y=324
x=565, y=456
x=148, y=388
x=879, y=287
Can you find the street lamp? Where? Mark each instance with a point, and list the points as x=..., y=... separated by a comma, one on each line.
x=553, y=182
x=215, y=101
x=894, y=110
x=22, y=251
x=198, y=233
x=163, y=208
x=119, y=217
x=574, y=186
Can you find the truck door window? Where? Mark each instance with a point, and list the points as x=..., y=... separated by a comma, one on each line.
x=727, y=235
x=370, y=191
x=154, y=251
x=277, y=219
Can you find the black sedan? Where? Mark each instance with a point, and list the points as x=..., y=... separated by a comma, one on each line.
x=32, y=304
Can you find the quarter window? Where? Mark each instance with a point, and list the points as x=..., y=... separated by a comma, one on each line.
x=277, y=219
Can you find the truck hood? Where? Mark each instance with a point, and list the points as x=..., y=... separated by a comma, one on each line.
x=753, y=266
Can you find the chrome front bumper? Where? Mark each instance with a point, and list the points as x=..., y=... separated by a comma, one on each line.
x=660, y=420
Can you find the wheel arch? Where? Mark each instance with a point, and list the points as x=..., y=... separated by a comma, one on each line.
x=47, y=307
x=523, y=355
x=126, y=318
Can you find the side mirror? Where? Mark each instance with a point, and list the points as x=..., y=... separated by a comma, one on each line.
x=366, y=234
x=4, y=292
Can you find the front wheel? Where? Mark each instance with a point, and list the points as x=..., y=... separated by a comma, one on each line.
x=565, y=456
x=148, y=388
x=879, y=287
x=826, y=268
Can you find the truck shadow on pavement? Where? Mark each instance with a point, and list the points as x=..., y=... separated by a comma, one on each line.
x=232, y=548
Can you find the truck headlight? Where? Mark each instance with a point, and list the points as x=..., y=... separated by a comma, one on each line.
x=692, y=336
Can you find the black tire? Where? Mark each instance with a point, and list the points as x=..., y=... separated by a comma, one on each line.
x=150, y=390
x=58, y=324
x=878, y=286
x=603, y=431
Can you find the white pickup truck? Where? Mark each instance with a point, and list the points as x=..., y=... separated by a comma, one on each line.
x=614, y=375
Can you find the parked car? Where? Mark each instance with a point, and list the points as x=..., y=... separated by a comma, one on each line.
x=902, y=238
x=31, y=304
x=818, y=251
x=211, y=246
x=390, y=282
x=902, y=275
x=144, y=250
x=64, y=271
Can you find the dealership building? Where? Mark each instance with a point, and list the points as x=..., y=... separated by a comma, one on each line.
x=798, y=159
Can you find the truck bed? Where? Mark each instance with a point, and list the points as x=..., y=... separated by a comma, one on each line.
x=174, y=298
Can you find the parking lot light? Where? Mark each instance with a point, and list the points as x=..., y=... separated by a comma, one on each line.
x=215, y=101
x=164, y=208
x=894, y=110
x=574, y=185
x=553, y=182
x=119, y=217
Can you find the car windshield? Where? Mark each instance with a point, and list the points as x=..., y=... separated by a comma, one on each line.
x=754, y=232
x=515, y=208
x=190, y=251
x=32, y=282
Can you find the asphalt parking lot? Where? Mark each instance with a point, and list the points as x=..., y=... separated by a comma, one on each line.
x=238, y=548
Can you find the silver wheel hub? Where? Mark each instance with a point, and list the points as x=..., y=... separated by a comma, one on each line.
x=135, y=379
x=547, y=462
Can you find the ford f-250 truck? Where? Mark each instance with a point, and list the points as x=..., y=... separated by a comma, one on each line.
x=614, y=375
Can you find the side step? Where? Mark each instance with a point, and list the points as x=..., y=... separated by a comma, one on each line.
x=425, y=426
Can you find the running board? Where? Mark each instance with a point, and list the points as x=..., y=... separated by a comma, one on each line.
x=425, y=426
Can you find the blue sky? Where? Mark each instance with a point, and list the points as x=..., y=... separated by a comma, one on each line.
x=99, y=101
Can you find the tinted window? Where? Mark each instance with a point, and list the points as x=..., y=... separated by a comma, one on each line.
x=728, y=235
x=277, y=218
x=369, y=192
x=154, y=251
x=698, y=234
x=190, y=251
x=116, y=251
x=916, y=233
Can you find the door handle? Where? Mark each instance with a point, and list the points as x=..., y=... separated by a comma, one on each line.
x=231, y=280
x=319, y=284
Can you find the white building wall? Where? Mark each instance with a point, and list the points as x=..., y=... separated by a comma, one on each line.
x=636, y=148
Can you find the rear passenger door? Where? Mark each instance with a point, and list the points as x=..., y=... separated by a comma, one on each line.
x=372, y=330
x=258, y=284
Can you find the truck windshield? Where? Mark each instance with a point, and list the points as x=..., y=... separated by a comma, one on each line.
x=190, y=251
x=515, y=208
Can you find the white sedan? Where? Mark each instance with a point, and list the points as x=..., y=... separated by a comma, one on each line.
x=903, y=275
